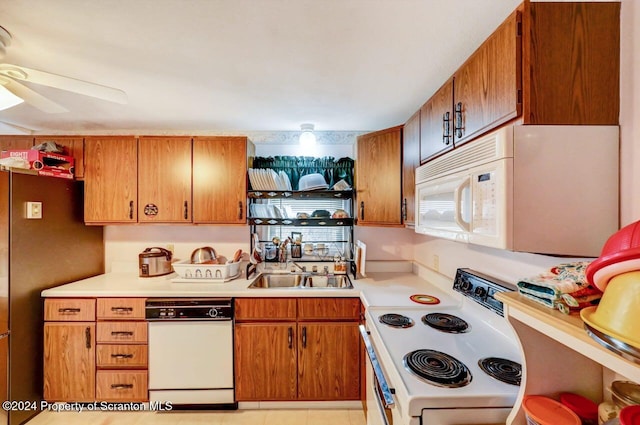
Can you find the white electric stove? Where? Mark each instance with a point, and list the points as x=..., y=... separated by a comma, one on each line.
x=454, y=361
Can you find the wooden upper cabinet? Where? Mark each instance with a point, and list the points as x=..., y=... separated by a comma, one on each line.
x=111, y=171
x=219, y=180
x=74, y=146
x=15, y=142
x=571, y=60
x=164, y=179
x=378, y=178
x=410, y=161
x=487, y=88
x=436, y=123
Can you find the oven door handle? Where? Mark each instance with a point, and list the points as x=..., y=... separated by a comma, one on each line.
x=387, y=393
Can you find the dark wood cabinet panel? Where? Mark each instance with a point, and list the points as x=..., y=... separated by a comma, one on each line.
x=436, y=123
x=410, y=161
x=266, y=361
x=111, y=179
x=378, y=178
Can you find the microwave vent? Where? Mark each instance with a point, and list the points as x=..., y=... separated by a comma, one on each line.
x=473, y=154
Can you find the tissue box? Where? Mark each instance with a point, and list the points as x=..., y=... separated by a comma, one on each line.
x=46, y=163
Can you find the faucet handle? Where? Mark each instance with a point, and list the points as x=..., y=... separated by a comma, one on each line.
x=326, y=269
x=314, y=269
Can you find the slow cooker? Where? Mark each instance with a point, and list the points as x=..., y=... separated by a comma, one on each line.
x=154, y=262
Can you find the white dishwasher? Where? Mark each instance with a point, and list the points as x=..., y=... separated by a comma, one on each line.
x=191, y=351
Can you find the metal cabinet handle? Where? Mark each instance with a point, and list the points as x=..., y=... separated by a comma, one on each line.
x=362, y=210
x=131, y=209
x=122, y=310
x=404, y=209
x=304, y=337
x=122, y=356
x=446, y=128
x=69, y=310
x=123, y=333
x=87, y=336
x=290, y=332
x=121, y=386
x=186, y=210
x=239, y=210
x=459, y=127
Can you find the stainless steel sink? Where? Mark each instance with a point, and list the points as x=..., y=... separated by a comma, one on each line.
x=300, y=281
x=278, y=280
x=330, y=281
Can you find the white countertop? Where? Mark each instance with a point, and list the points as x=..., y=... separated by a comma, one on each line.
x=391, y=289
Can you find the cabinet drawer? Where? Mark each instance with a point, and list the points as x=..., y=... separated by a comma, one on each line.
x=265, y=309
x=121, y=332
x=70, y=309
x=118, y=385
x=121, y=308
x=328, y=308
x=121, y=356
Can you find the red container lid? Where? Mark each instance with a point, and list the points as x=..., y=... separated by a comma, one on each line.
x=580, y=405
x=630, y=415
x=546, y=411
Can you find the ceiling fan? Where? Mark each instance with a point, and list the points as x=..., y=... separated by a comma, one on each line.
x=12, y=75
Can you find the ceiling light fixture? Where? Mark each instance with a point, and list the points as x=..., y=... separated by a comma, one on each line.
x=307, y=138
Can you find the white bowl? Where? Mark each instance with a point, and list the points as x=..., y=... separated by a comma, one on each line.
x=312, y=181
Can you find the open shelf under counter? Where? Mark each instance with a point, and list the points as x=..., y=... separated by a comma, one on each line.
x=559, y=355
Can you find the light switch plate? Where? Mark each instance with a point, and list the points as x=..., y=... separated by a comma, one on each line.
x=34, y=210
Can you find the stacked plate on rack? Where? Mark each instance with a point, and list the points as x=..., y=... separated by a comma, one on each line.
x=268, y=179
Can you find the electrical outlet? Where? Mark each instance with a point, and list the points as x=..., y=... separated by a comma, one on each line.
x=170, y=247
x=34, y=210
x=435, y=262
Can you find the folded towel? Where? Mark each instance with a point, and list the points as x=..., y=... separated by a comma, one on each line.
x=564, y=280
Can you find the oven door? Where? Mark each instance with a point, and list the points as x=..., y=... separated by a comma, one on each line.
x=380, y=402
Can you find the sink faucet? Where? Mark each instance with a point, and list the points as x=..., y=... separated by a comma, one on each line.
x=303, y=269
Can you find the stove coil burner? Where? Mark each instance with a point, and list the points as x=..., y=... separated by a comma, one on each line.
x=396, y=320
x=503, y=370
x=446, y=323
x=436, y=368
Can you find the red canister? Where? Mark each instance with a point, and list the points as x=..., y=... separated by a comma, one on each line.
x=586, y=409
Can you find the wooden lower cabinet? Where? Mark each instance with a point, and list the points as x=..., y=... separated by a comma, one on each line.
x=314, y=357
x=90, y=355
x=328, y=361
x=69, y=361
x=265, y=359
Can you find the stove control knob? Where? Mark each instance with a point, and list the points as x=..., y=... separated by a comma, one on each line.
x=480, y=292
x=212, y=312
x=466, y=285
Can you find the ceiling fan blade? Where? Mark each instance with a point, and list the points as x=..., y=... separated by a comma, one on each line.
x=64, y=83
x=31, y=97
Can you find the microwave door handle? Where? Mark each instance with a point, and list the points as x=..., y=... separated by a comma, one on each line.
x=457, y=195
x=387, y=393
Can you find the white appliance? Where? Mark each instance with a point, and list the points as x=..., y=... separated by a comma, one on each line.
x=191, y=351
x=467, y=333
x=541, y=189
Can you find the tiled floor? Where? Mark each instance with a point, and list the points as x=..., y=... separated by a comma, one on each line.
x=239, y=417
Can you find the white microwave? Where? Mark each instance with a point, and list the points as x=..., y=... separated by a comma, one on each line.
x=542, y=189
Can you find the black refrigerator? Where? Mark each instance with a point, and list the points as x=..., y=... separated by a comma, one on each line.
x=37, y=254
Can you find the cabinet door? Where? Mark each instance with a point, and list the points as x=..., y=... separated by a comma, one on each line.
x=269, y=309
x=15, y=142
x=378, y=178
x=410, y=161
x=328, y=361
x=265, y=361
x=110, y=179
x=74, y=147
x=69, y=361
x=219, y=180
x=313, y=308
x=164, y=179
x=488, y=85
x=436, y=123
